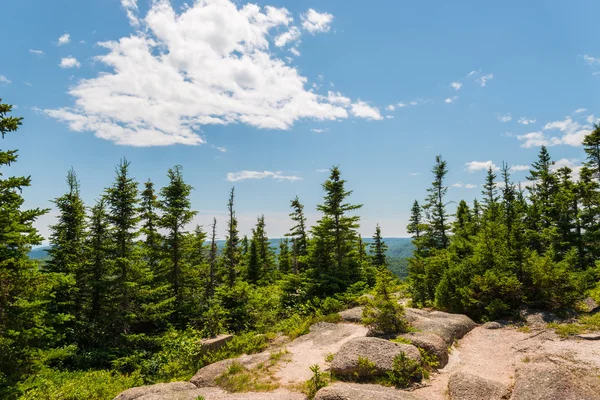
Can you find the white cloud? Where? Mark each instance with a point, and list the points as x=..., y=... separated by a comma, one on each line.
x=391, y=107
x=221, y=149
x=591, y=119
x=474, y=166
x=322, y=170
x=505, y=118
x=526, y=121
x=482, y=80
x=464, y=185
x=473, y=73
x=456, y=85
x=315, y=22
x=208, y=64
x=38, y=53
x=363, y=110
x=295, y=51
x=451, y=100
x=131, y=9
x=573, y=134
x=319, y=130
x=4, y=80
x=415, y=173
x=64, y=39
x=69, y=62
x=589, y=60
x=572, y=163
x=243, y=175
x=580, y=110
x=517, y=168
x=389, y=117
x=292, y=35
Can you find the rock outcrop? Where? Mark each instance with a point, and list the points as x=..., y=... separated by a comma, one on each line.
x=172, y=389
x=354, y=391
x=431, y=343
x=207, y=376
x=464, y=386
x=352, y=314
x=449, y=327
x=380, y=352
x=214, y=344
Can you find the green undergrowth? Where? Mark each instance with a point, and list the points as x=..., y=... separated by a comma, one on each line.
x=585, y=323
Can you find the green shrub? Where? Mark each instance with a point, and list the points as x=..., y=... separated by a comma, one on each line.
x=405, y=371
x=384, y=315
x=90, y=385
x=316, y=382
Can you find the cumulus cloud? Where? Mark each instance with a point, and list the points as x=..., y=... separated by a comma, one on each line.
x=580, y=110
x=64, y=39
x=482, y=80
x=363, y=110
x=319, y=130
x=474, y=166
x=4, y=80
x=38, y=53
x=464, y=185
x=516, y=168
x=505, y=118
x=572, y=134
x=131, y=9
x=391, y=107
x=69, y=62
x=526, y=121
x=244, y=175
x=207, y=64
x=451, y=100
x=456, y=85
x=292, y=35
x=589, y=60
x=316, y=22
x=571, y=163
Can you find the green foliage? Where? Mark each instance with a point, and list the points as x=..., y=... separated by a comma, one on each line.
x=405, y=371
x=366, y=368
x=89, y=385
x=316, y=382
x=384, y=315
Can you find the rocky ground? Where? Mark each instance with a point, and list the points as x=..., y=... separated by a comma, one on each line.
x=492, y=361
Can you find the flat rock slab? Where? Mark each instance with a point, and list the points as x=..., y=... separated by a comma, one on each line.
x=546, y=380
x=207, y=376
x=431, y=343
x=493, y=325
x=464, y=386
x=378, y=351
x=214, y=344
x=354, y=391
x=589, y=336
x=322, y=340
x=187, y=391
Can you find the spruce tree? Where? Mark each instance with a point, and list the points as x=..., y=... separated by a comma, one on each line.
x=22, y=287
x=150, y=219
x=436, y=207
x=99, y=266
x=212, y=260
x=284, y=261
x=231, y=252
x=298, y=234
x=176, y=214
x=591, y=146
x=379, y=249
x=68, y=257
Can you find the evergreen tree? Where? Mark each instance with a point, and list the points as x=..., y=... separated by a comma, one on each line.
x=379, y=249
x=298, y=235
x=22, y=288
x=591, y=146
x=490, y=194
x=99, y=248
x=436, y=207
x=68, y=257
x=153, y=240
x=176, y=209
x=212, y=260
x=123, y=205
x=283, y=258
x=231, y=251
x=333, y=257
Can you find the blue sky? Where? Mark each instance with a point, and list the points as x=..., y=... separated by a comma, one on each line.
x=266, y=96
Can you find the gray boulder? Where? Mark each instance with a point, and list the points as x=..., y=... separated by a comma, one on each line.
x=207, y=376
x=214, y=344
x=173, y=390
x=353, y=391
x=378, y=351
x=547, y=380
x=352, y=314
x=449, y=327
x=492, y=325
x=464, y=386
x=431, y=343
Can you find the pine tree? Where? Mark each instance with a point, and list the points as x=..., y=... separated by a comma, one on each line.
x=436, y=207
x=591, y=146
x=283, y=258
x=212, y=260
x=68, y=257
x=333, y=257
x=231, y=252
x=150, y=219
x=541, y=212
x=490, y=194
x=298, y=235
x=176, y=209
x=99, y=267
x=123, y=205
x=379, y=249
x=22, y=288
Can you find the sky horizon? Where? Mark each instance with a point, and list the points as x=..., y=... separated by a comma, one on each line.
x=266, y=96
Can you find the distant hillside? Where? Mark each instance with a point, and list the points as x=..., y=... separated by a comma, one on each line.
x=399, y=249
